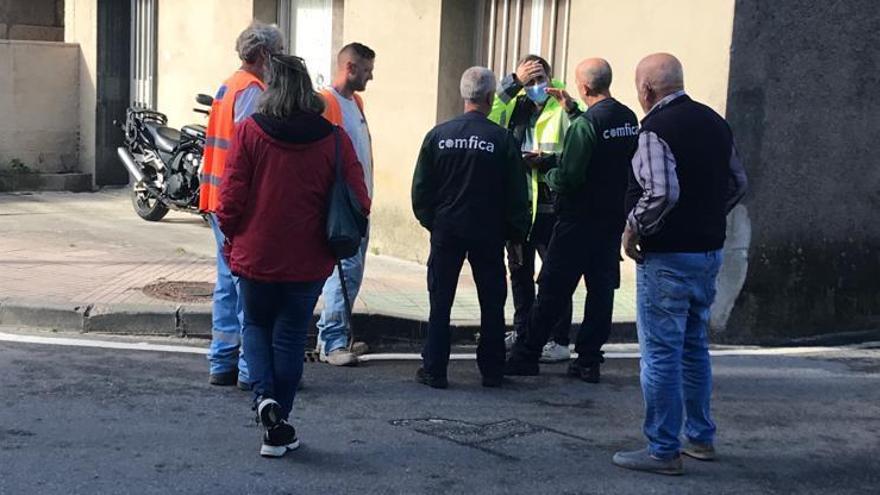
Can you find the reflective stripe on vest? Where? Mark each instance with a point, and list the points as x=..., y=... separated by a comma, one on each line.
x=221, y=129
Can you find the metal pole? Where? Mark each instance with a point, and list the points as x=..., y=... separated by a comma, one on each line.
x=132, y=64
x=517, y=32
x=505, y=27
x=536, y=27
x=554, y=4
x=565, y=30
x=490, y=61
x=151, y=50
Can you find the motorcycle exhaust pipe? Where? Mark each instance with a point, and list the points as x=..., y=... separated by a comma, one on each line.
x=129, y=163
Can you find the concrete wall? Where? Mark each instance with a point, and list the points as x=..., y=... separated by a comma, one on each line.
x=698, y=33
x=401, y=106
x=39, y=95
x=804, y=102
x=81, y=27
x=196, y=60
x=37, y=20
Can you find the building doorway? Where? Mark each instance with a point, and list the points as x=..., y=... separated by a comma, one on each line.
x=113, y=88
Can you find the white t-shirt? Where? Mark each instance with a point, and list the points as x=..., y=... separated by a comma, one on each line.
x=355, y=125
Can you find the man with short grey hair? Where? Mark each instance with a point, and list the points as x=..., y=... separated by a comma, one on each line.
x=468, y=192
x=234, y=102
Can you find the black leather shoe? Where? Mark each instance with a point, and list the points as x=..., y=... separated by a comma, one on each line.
x=224, y=379
x=516, y=366
x=588, y=372
x=430, y=380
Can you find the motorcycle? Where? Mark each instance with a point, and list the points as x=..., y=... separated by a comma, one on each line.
x=163, y=162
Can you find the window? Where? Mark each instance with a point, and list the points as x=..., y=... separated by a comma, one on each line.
x=143, y=53
x=313, y=30
x=515, y=28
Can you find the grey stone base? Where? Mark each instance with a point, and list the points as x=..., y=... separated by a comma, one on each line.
x=379, y=331
x=74, y=182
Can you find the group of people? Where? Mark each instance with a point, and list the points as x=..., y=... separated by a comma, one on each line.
x=273, y=148
x=525, y=168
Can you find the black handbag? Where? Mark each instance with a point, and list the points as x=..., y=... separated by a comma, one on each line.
x=346, y=222
x=346, y=228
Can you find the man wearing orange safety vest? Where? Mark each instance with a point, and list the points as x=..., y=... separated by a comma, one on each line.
x=345, y=108
x=235, y=101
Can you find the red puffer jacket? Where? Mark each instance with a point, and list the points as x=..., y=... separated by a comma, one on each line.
x=275, y=193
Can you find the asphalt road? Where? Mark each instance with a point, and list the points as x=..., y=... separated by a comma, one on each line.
x=92, y=421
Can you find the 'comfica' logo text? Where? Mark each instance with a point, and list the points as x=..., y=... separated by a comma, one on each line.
x=625, y=131
x=471, y=143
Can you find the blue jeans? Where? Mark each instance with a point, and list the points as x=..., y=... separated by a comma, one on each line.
x=333, y=325
x=276, y=319
x=674, y=293
x=227, y=315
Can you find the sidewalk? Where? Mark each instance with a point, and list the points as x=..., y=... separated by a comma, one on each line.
x=91, y=254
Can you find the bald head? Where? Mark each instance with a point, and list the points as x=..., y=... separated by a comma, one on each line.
x=658, y=75
x=595, y=74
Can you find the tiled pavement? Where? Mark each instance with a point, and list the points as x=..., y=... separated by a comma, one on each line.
x=92, y=249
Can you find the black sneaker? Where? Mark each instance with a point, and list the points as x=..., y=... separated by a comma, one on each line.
x=226, y=379
x=516, y=366
x=269, y=413
x=588, y=372
x=493, y=381
x=245, y=386
x=279, y=439
x=430, y=380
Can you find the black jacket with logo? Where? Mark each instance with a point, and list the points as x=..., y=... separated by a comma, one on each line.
x=468, y=182
x=592, y=177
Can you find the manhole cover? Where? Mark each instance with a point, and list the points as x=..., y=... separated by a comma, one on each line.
x=169, y=290
x=508, y=439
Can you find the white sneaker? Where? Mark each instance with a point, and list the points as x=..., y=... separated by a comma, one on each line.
x=339, y=357
x=509, y=340
x=359, y=348
x=555, y=353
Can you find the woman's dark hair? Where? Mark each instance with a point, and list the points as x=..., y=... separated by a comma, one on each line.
x=289, y=89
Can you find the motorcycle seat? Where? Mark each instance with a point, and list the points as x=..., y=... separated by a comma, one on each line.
x=165, y=138
x=194, y=130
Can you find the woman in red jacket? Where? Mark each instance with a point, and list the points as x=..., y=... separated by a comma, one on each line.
x=273, y=211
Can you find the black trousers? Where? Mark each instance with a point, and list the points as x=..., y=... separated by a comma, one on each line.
x=577, y=250
x=522, y=280
x=444, y=265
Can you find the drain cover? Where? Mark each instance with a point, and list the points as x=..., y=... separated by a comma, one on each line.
x=169, y=290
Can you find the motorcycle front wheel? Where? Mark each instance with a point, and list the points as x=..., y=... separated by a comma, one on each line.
x=148, y=207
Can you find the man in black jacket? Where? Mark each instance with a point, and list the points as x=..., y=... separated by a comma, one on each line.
x=467, y=191
x=590, y=182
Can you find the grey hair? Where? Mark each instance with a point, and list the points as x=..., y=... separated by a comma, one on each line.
x=477, y=83
x=257, y=37
x=597, y=76
x=289, y=89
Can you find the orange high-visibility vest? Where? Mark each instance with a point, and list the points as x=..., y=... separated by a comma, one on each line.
x=333, y=111
x=221, y=129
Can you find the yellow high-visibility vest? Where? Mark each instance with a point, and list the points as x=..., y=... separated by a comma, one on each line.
x=549, y=132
